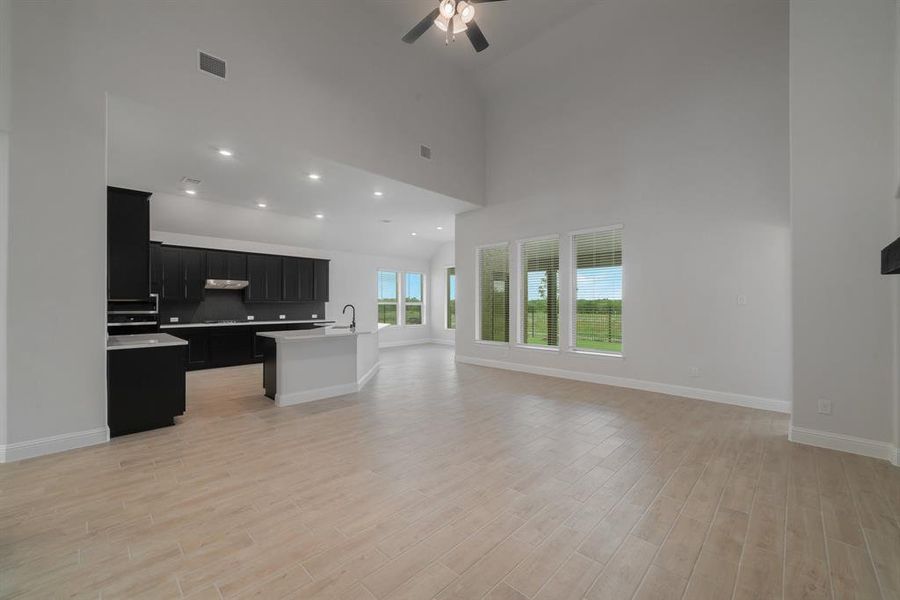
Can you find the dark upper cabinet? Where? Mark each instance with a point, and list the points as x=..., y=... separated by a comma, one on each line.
x=156, y=268
x=183, y=274
x=320, y=293
x=256, y=275
x=128, y=244
x=290, y=279
x=172, y=275
x=221, y=264
x=274, y=274
x=194, y=262
x=307, y=279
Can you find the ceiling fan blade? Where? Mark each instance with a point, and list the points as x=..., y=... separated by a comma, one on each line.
x=479, y=42
x=421, y=27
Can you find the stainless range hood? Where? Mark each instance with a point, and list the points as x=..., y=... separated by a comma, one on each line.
x=226, y=284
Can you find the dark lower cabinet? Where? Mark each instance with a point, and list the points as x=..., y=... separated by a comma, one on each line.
x=214, y=347
x=145, y=388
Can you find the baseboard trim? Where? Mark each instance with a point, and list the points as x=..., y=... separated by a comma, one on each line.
x=282, y=400
x=53, y=444
x=403, y=343
x=845, y=443
x=442, y=342
x=781, y=406
x=367, y=376
x=303, y=397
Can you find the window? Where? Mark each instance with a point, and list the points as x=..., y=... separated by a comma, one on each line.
x=387, y=297
x=413, y=298
x=597, y=310
x=451, y=298
x=493, y=293
x=540, y=292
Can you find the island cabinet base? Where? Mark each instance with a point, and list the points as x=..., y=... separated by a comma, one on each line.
x=145, y=388
x=303, y=367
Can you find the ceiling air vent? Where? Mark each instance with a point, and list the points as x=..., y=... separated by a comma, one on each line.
x=190, y=181
x=425, y=152
x=212, y=65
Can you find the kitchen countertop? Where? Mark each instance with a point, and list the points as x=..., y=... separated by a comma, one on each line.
x=310, y=335
x=142, y=340
x=239, y=323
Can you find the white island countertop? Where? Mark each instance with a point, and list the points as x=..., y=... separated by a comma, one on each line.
x=142, y=340
x=311, y=335
x=239, y=323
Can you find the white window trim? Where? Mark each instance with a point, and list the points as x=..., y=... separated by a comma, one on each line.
x=477, y=289
x=573, y=284
x=520, y=299
x=422, y=303
x=447, y=296
x=399, y=274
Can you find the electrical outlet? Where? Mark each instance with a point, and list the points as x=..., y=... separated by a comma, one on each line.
x=742, y=300
x=695, y=371
x=250, y=317
x=824, y=406
x=282, y=317
x=173, y=319
x=315, y=316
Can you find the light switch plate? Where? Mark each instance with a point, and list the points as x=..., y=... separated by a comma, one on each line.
x=824, y=406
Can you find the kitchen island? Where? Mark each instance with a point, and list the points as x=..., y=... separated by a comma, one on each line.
x=303, y=366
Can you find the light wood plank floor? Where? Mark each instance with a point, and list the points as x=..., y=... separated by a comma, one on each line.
x=446, y=481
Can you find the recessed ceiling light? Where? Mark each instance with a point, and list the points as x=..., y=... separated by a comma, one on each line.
x=190, y=192
x=225, y=152
x=379, y=194
x=315, y=176
x=439, y=228
x=385, y=220
x=261, y=204
x=414, y=233
x=320, y=216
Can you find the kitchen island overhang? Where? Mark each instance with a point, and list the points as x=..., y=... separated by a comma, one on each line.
x=304, y=366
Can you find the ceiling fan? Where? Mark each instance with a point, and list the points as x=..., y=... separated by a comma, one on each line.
x=452, y=17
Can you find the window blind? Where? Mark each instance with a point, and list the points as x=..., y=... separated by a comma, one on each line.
x=413, y=298
x=387, y=297
x=451, y=298
x=493, y=293
x=597, y=302
x=540, y=292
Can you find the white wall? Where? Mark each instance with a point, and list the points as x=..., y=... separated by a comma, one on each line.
x=5, y=63
x=313, y=70
x=844, y=179
x=670, y=118
x=444, y=257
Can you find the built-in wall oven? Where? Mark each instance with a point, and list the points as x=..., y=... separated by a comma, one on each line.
x=124, y=318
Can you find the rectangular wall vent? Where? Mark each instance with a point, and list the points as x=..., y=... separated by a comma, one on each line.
x=425, y=152
x=190, y=181
x=212, y=65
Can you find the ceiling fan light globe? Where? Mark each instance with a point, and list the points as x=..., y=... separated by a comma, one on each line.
x=458, y=25
x=448, y=8
x=466, y=11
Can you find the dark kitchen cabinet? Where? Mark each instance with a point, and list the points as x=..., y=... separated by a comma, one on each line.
x=290, y=279
x=265, y=276
x=156, y=268
x=221, y=264
x=183, y=274
x=225, y=346
x=198, y=347
x=230, y=346
x=321, y=267
x=194, y=263
x=128, y=244
x=145, y=388
x=256, y=275
x=274, y=270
